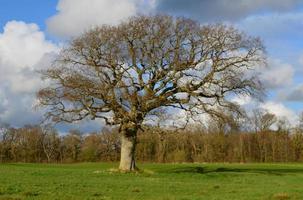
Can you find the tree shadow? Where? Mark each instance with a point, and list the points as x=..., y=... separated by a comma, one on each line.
x=208, y=170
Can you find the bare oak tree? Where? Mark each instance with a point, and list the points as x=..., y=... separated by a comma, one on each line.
x=122, y=73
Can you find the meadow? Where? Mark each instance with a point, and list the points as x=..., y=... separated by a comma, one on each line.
x=154, y=182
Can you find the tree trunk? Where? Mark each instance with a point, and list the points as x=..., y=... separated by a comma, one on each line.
x=128, y=150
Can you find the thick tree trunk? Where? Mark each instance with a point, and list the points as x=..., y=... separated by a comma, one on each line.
x=128, y=149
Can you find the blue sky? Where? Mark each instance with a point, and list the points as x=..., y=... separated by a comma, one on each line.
x=27, y=10
x=32, y=32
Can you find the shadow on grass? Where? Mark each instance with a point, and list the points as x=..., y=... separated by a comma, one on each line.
x=208, y=170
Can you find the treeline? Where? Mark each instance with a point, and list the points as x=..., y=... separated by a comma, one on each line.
x=197, y=146
x=40, y=144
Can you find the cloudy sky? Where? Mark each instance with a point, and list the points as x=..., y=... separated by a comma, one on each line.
x=32, y=32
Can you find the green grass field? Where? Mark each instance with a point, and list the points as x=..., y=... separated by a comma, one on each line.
x=157, y=182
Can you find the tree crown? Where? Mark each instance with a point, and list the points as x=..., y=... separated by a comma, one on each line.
x=123, y=73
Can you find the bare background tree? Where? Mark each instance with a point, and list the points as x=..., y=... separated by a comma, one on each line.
x=50, y=142
x=122, y=73
x=262, y=120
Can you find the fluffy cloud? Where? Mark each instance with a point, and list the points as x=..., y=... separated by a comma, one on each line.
x=22, y=45
x=277, y=75
x=23, y=50
x=207, y=10
x=75, y=16
x=280, y=111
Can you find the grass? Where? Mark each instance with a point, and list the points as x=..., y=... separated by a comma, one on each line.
x=157, y=182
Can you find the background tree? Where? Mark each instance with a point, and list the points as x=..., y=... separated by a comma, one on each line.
x=122, y=73
x=50, y=143
x=262, y=120
x=72, y=143
x=4, y=144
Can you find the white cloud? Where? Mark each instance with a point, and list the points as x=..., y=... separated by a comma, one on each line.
x=278, y=74
x=23, y=49
x=22, y=45
x=281, y=111
x=75, y=16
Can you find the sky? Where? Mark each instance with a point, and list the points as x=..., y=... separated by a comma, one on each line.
x=33, y=31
